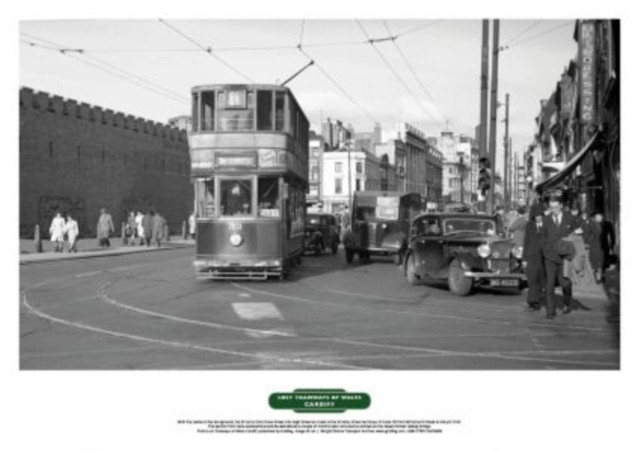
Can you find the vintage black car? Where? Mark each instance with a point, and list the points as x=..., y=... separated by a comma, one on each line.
x=464, y=249
x=380, y=223
x=321, y=233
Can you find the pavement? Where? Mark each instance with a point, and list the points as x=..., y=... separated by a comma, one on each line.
x=88, y=248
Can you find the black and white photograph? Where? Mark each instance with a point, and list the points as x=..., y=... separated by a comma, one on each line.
x=373, y=205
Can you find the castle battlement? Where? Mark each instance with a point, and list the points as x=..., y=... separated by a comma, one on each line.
x=40, y=100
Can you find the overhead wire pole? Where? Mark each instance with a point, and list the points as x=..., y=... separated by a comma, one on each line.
x=507, y=194
x=494, y=111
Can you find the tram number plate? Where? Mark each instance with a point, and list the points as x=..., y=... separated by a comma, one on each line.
x=504, y=282
x=235, y=226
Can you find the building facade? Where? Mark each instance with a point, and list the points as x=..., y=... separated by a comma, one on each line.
x=77, y=158
x=316, y=153
x=579, y=125
x=415, y=146
x=345, y=172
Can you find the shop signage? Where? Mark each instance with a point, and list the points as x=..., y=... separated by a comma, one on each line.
x=587, y=72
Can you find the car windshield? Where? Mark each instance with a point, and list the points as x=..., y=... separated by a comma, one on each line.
x=477, y=225
x=427, y=226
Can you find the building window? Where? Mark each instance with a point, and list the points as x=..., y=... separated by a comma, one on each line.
x=450, y=183
x=358, y=184
x=338, y=167
x=359, y=167
x=315, y=173
x=338, y=186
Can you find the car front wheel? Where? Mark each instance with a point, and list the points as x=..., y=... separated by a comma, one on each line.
x=459, y=284
x=410, y=273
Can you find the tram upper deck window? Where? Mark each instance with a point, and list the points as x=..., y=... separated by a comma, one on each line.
x=265, y=110
x=280, y=96
x=235, y=111
x=268, y=196
x=205, y=200
x=207, y=110
x=235, y=197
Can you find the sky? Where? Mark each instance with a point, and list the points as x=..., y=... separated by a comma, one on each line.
x=429, y=76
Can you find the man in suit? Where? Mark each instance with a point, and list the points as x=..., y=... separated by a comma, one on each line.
x=556, y=226
x=533, y=259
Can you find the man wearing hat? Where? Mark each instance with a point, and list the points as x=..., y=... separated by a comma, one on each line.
x=556, y=226
x=105, y=228
x=533, y=260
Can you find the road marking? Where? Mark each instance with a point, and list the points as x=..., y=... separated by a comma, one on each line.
x=373, y=297
x=91, y=352
x=244, y=295
x=411, y=313
x=81, y=275
x=186, y=345
x=257, y=311
x=103, y=295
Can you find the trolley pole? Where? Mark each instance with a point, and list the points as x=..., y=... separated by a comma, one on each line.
x=494, y=111
x=484, y=87
x=349, y=174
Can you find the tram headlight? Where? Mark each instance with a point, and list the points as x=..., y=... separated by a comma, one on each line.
x=235, y=239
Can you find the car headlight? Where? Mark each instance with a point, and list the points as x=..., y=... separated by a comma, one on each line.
x=235, y=239
x=384, y=225
x=517, y=252
x=484, y=250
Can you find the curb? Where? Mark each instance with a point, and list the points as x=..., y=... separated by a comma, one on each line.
x=99, y=254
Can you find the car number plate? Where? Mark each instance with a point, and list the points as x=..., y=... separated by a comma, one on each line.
x=505, y=282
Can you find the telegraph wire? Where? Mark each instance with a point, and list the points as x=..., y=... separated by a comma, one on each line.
x=207, y=50
x=393, y=71
x=301, y=32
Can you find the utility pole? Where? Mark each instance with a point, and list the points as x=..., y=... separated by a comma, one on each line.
x=484, y=87
x=494, y=110
x=507, y=193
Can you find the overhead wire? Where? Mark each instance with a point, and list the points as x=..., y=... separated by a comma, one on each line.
x=207, y=50
x=524, y=32
x=106, y=67
x=393, y=71
x=413, y=72
x=544, y=33
x=337, y=85
x=419, y=28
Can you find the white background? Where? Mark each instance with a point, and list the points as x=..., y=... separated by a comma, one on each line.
x=500, y=411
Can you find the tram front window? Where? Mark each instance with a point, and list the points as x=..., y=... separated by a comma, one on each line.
x=205, y=201
x=268, y=196
x=235, y=197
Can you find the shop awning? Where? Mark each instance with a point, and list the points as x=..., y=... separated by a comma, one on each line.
x=568, y=167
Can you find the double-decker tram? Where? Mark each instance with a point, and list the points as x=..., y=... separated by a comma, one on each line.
x=249, y=163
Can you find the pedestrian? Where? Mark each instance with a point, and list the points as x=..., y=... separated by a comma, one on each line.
x=131, y=229
x=139, y=228
x=601, y=244
x=555, y=227
x=105, y=228
x=57, y=232
x=72, y=231
x=192, y=225
x=158, y=228
x=147, y=226
x=533, y=260
x=518, y=225
x=345, y=221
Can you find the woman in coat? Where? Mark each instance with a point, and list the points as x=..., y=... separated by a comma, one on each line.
x=147, y=226
x=71, y=230
x=57, y=232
